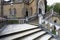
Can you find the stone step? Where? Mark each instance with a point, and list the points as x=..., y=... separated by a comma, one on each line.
x=31, y=37
x=24, y=32
x=40, y=36
x=21, y=34
x=10, y=34
x=45, y=37
x=17, y=28
x=27, y=35
x=53, y=39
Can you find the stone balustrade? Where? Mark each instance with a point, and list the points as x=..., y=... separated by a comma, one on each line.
x=51, y=26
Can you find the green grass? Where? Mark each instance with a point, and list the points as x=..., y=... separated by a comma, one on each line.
x=54, y=32
x=13, y=22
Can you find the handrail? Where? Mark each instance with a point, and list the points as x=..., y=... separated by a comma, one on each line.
x=32, y=16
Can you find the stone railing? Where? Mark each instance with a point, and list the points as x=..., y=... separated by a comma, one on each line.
x=31, y=18
x=48, y=24
x=52, y=26
x=2, y=22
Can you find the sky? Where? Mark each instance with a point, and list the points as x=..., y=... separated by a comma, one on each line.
x=50, y=2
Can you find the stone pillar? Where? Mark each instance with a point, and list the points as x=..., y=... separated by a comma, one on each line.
x=46, y=22
x=52, y=11
x=40, y=18
x=56, y=31
x=26, y=19
x=21, y=21
x=51, y=27
x=57, y=28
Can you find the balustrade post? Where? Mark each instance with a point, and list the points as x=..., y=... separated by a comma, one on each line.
x=57, y=31
x=26, y=19
x=46, y=22
x=40, y=18
x=51, y=27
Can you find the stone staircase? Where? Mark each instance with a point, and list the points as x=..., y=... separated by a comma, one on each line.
x=24, y=32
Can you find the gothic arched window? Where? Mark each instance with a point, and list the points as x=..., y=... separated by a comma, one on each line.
x=13, y=11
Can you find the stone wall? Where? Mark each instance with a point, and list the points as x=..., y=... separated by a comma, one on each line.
x=34, y=7
x=52, y=19
x=18, y=7
x=21, y=8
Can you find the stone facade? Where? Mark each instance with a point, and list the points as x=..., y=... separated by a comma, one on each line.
x=18, y=7
x=22, y=7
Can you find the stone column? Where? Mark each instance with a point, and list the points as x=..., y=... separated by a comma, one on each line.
x=21, y=21
x=26, y=19
x=57, y=28
x=40, y=18
x=51, y=29
x=46, y=22
x=57, y=32
x=51, y=25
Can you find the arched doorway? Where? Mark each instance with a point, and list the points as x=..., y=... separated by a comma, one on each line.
x=26, y=15
x=40, y=11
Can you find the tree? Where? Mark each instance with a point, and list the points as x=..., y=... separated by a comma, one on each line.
x=48, y=7
x=57, y=8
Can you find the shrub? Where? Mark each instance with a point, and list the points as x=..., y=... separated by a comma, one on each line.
x=13, y=22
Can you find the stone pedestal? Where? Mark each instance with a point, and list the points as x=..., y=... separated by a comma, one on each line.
x=57, y=32
x=26, y=19
x=40, y=18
